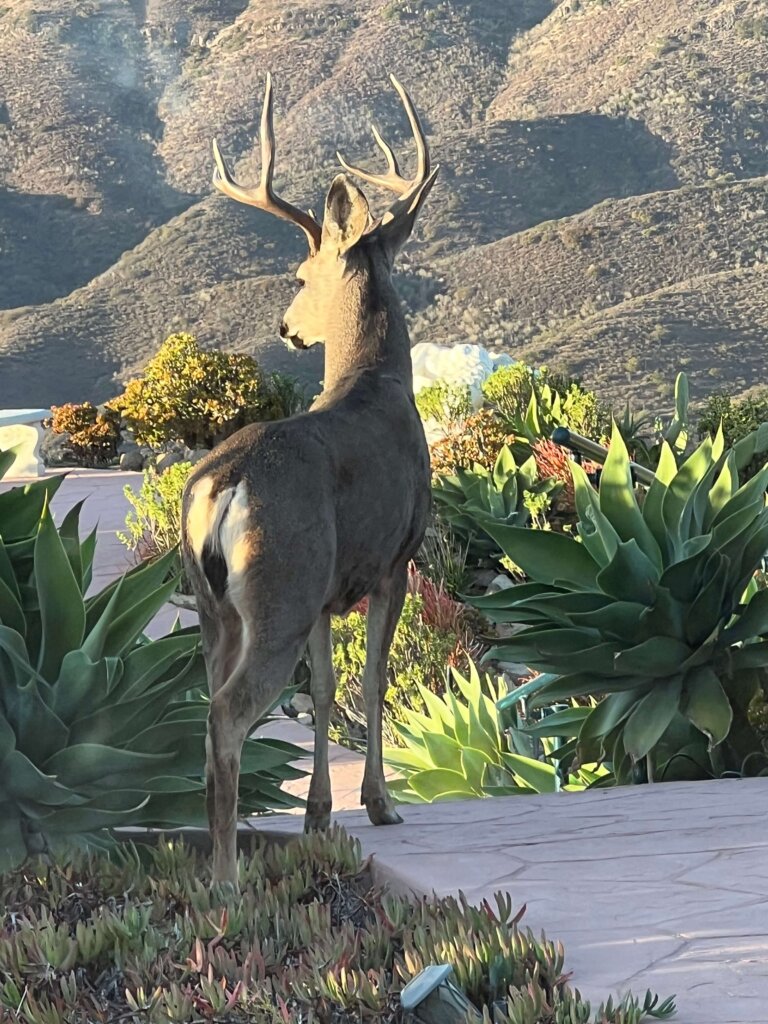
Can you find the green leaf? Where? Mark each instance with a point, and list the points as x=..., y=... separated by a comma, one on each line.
x=752, y=620
x=609, y=713
x=706, y=705
x=539, y=776
x=656, y=657
x=11, y=613
x=69, y=533
x=652, y=717
x=631, y=576
x=443, y=751
x=709, y=609
x=619, y=504
x=597, y=533
x=654, y=499
x=62, y=612
x=546, y=557
x=39, y=731
x=90, y=762
x=473, y=767
x=26, y=782
x=585, y=684
x=7, y=459
x=87, y=554
x=440, y=784
x=22, y=507
x=83, y=685
x=527, y=690
x=560, y=723
x=120, y=624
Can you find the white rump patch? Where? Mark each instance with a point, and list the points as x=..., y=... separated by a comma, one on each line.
x=233, y=531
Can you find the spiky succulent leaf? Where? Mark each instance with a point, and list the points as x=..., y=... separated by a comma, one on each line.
x=647, y=606
x=98, y=726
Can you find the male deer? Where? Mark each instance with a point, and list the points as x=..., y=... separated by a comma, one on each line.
x=287, y=523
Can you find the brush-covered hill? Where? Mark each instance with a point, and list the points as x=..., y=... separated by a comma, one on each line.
x=602, y=179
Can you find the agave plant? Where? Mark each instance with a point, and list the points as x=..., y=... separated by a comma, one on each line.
x=652, y=608
x=459, y=748
x=464, y=501
x=99, y=726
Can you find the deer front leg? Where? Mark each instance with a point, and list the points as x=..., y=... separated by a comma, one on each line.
x=323, y=688
x=384, y=607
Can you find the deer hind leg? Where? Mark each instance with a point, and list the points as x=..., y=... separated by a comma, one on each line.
x=323, y=687
x=384, y=607
x=221, y=639
x=255, y=682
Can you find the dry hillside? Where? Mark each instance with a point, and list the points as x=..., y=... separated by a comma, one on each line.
x=603, y=201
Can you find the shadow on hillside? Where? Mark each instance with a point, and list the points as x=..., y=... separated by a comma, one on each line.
x=507, y=176
x=50, y=245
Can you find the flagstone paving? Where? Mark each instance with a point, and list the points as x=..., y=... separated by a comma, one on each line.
x=662, y=887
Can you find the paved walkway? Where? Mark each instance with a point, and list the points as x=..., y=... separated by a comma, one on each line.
x=662, y=887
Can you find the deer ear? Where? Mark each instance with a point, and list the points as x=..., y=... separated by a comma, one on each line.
x=346, y=214
x=396, y=226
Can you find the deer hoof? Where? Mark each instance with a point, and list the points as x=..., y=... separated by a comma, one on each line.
x=381, y=812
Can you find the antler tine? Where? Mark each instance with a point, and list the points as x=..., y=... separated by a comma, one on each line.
x=393, y=179
x=263, y=196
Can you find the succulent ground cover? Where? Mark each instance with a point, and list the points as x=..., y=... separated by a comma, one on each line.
x=140, y=937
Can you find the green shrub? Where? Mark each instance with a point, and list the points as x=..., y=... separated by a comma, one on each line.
x=93, y=435
x=653, y=606
x=739, y=417
x=509, y=390
x=199, y=397
x=99, y=727
x=531, y=403
x=419, y=657
x=445, y=403
x=508, y=494
x=154, y=525
x=141, y=938
x=457, y=748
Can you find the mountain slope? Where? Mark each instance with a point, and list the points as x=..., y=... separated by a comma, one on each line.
x=602, y=178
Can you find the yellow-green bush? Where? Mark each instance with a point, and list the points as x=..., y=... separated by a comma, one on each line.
x=201, y=397
x=154, y=525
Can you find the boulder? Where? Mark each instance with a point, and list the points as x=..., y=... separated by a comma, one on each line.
x=132, y=460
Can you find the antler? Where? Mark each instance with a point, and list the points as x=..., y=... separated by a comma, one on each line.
x=393, y=180
x=263, y=195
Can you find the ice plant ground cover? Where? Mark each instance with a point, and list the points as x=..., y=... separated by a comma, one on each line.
x=141, y=938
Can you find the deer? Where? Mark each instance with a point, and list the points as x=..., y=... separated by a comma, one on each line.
x=289, y=522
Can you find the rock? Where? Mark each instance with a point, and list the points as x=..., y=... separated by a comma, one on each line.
x=168, y=459
x=500, y=582
x=56, y=450
x=305, y=720
x=127, y=445
x=303, y=704
x=132, y=461
x=514, y=669
x=197, y=455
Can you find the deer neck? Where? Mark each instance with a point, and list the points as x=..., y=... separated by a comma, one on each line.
x=372, y=335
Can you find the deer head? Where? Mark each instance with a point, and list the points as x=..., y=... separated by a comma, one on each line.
x=351, y=256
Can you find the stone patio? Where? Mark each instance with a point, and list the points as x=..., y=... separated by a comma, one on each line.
x=662, y=887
